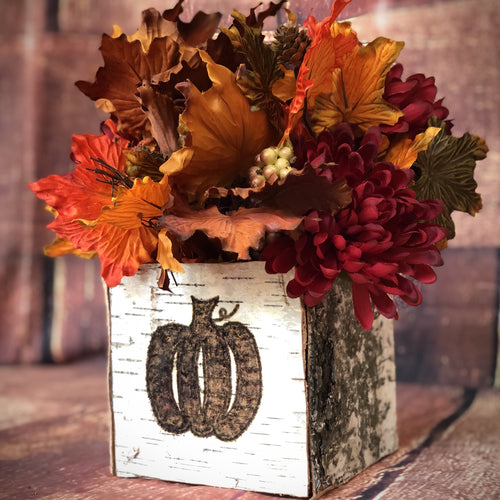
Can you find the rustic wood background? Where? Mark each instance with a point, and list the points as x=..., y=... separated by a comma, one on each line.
x=55, y=428
x=54, y=310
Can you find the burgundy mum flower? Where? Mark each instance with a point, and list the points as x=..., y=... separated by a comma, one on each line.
x=416, y=98
x=382, y=240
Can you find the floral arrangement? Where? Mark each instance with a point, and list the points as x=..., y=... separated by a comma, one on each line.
x=307, y=149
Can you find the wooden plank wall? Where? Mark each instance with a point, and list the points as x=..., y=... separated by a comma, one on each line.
x=54, y=310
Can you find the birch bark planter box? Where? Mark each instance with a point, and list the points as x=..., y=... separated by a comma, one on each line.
x=227, y=382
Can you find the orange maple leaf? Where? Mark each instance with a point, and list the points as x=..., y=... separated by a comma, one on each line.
x=404, y=151
x=237, y=233
x=126, y=234
x=225, y=135
x=83, y=193
x=356, y=89
x=93, y=213
x=326, y=52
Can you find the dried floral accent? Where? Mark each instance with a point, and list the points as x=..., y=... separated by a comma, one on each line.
x=257, y=83
x=446, y=171
x=290, y=45
x=144, y=163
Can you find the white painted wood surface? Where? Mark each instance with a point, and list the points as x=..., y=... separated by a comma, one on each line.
x=271, y=455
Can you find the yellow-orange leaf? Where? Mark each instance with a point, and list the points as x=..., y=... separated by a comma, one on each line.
x=125, y=235
x=165, y=255
x=328, y=54
x=225, y=135
x=63, y=246
x=357, y=88
x=140, y=205
x=284, y=88
x=404, y=151
x=331, y=42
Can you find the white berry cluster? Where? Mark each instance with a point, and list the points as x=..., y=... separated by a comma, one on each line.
x=272, y=163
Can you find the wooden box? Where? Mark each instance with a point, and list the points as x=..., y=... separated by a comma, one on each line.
x=228, y=382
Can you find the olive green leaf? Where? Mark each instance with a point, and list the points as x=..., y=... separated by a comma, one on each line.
x=445, y=171
x=257, y=80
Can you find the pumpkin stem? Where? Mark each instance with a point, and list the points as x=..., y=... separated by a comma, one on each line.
x=224, y=315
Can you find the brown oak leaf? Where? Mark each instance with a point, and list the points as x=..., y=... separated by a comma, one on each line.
x=137, y=82
x=126, y=66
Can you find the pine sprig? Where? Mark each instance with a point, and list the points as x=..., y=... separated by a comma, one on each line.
x=256, y=80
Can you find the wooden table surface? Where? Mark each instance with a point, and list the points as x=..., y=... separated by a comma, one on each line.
x=54, y=435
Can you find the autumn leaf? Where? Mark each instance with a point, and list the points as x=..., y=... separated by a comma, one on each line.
x=446, y=171
x=196, y=32
x=98, y=209
x=126, y=66
x=63, y=246
x=237, y=233
x=165, y=254
x=356, y=89
x=257, y=21
x=125, y=235
x=84, y=192
x=142, y=205
x=225, y=135
x=257, y=83
x=163, y=46
x=330, y=42
x=188, y=35
x=404, y=151
x=299, y=192
x=153, y=26
x=328, y=53
x=284, y=88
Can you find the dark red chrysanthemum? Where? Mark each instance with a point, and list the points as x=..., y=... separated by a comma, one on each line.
x=416, y=98
x=382, y=240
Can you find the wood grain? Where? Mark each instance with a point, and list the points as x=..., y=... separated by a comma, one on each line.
x=54, y=438
x=451, y=337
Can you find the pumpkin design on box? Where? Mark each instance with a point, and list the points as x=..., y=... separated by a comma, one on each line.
x=177, y=348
